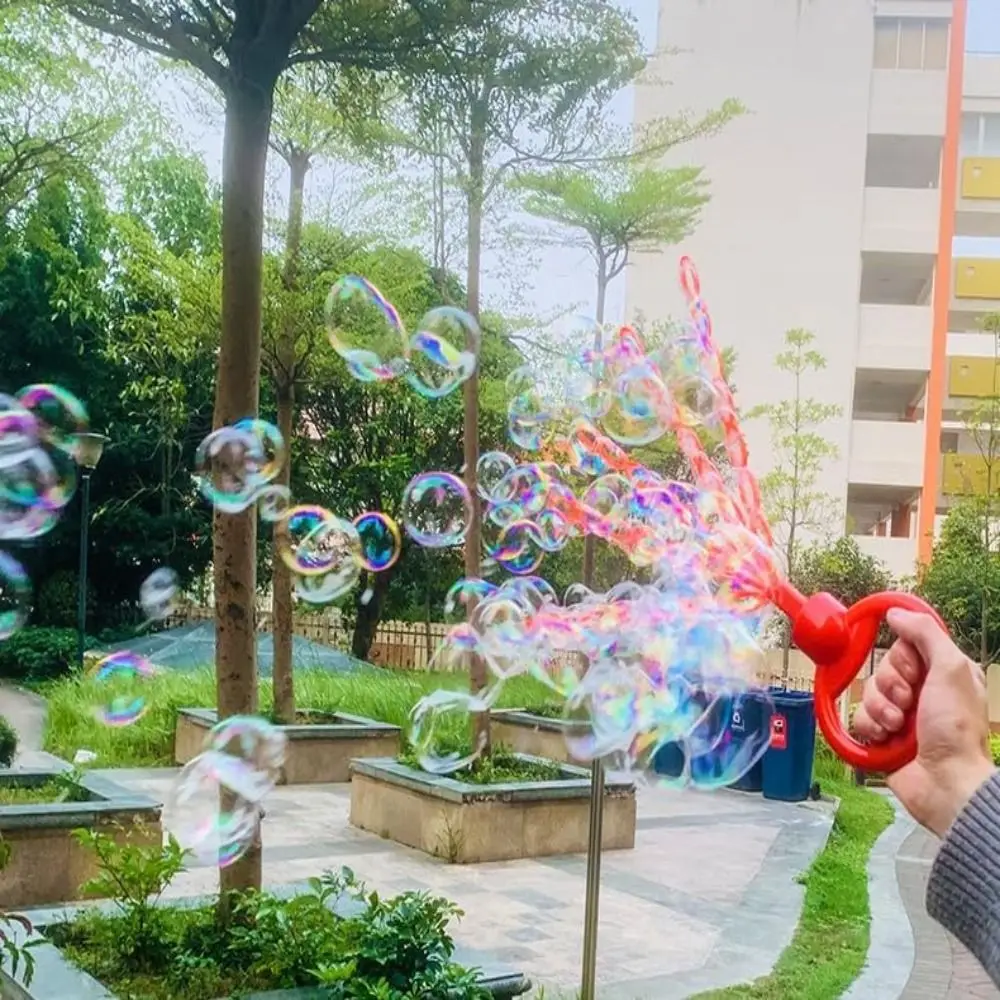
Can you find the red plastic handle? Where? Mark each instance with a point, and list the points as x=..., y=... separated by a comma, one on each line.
x=839, y=640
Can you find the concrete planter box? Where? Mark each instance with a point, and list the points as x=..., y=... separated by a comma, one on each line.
x=534, y=735
x=466, y=823
x=56, y=978
x=47, y=865
x=318, y=753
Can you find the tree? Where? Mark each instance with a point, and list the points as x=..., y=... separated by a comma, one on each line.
x=962, y=574
x=242, y=47
x=791, y=498
x=616, y=209
x=318, y=111
x=981, y=474
x=46, y=129
x=521, y=83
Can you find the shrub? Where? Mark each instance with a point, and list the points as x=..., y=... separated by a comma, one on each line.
x=8, y=743
x=995, y=748
x=57, y=601
x=39, y=654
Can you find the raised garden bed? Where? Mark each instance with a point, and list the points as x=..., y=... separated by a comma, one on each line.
x=56, y=978
x=319, y=749
x=46, y=864
x=466, y=823
x=538, y=735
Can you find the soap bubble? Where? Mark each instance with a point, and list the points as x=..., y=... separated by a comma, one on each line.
x=437, y=509
x=435, y=723
x=312, y=541
x=443, y=352
x=15, y=595
x=491, y=469
x=121, y=677
x=59, y=414
x=233, y=464
x=364, y=328
x=380, y=540
x=158, y=593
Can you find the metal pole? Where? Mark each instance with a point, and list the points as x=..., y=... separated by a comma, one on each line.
x=592, y=911
x=588, y=987
x=81, y=608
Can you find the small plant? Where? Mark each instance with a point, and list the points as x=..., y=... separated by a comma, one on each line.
x=134, y=875
x=12, y=954
x=8, y=743
x=499, y=765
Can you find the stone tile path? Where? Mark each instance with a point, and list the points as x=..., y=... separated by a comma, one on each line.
x=708, y=896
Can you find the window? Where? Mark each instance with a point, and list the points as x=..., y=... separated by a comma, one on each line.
x=991, y=135
x=911, y=43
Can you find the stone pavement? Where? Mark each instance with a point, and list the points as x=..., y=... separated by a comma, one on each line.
x=708, y=897
x=26, y=713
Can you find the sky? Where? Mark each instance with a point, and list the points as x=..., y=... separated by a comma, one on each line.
x=561, y=280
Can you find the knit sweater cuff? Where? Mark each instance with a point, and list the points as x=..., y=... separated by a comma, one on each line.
x=963, y=893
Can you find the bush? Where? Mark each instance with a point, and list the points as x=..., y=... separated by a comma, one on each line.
x=39, y=654
x=8, y=743
x=57, y=601
x=995, y=748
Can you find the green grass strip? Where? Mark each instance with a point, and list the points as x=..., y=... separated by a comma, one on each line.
x=831, y=941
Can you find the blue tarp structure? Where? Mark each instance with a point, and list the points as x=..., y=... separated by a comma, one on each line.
x=189, y=647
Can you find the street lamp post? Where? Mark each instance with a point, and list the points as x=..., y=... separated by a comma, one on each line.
x=89, y=448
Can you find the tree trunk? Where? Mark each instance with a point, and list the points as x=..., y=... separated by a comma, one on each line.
x=282, y=678
x=234, y=537
x=478, y=676
x=370, y=614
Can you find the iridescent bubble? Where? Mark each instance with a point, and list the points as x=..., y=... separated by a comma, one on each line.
x=380, y=540
x=364, y=328
x=206, y=811
x=256, y=743
x=273, y=502
x=491, y=469
x=19, y=430
x=322, y=590
x=267, y=460
x=15, y=595
x=527, y=419
x=60, y=415
x=227, y=465
x=439, y=726
x=158, y=593
x=443, y=352
x=437, y=509
x=122, y=677
x=463, y=595
x=312, y=541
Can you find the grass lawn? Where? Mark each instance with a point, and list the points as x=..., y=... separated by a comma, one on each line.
x=830, y=944
x=29, y=795
x=384, y=695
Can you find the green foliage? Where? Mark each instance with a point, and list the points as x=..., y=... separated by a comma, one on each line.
x=995, y=748
x=791, y=497
x=39, y=654
x=384, y=695
x=8, y=743
x=133, y=871
x=962, y=580
x=16, y=931
x=57, y=600
x=386, y=949
x=499, y=765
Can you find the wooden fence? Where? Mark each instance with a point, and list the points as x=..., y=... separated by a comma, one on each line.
x=411, y=645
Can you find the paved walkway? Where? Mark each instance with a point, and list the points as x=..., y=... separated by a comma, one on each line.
x=709, y=895
x=26, y=713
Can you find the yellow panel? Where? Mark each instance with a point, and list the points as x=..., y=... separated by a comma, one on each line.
x=964, y=475
x=981, y=177
x=977, y=278
x=974, y=378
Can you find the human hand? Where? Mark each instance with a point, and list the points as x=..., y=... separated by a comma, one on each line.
x=953, y=756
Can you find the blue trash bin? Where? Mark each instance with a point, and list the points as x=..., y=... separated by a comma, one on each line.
x=669, y=760
x=788, y=762
x=747, y=723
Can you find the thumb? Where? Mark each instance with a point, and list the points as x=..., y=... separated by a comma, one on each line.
x=923, y=633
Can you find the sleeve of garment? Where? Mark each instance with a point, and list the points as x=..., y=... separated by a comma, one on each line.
x=963, y=893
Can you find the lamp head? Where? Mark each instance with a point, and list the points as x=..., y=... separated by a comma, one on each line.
x=89, y=448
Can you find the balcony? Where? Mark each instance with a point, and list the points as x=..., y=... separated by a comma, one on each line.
x=977, y=278
x=966, y=475
x=884, y=453
x=908, y=102
x=901, y=220
x=981, y=178
x=894, y=338
x=973, y=378
x=981, y=77
x=899, y=555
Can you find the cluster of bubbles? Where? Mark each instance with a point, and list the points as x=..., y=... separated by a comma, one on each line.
x=662, y=664
x=366, y=330
x=39, y=441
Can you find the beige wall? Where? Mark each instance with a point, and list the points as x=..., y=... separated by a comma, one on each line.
x=779, y=245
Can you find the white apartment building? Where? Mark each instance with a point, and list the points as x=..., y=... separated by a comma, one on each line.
x=871, y=141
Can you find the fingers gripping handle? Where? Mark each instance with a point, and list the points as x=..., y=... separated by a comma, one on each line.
x=839, y=641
